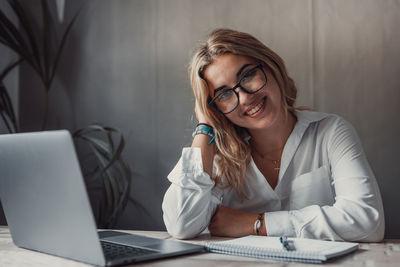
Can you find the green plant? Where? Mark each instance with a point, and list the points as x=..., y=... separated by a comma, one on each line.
x=109, y=170
x=42, y=55
x=102, y=144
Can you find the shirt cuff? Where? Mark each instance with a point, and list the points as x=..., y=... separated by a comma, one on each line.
x=278, y=223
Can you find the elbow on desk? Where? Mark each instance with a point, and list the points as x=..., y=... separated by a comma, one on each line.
x=370, y=228
x=181, y=233
x=181, y=227
x=373, y=224
x=185, y=225
x=375, y=231
x=180, y=230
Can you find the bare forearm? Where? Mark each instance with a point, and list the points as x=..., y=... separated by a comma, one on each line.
x=234, y=223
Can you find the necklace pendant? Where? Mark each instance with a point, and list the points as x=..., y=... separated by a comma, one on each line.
x=276, y=165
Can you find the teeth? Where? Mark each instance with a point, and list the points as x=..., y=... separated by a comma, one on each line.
x=255, y=109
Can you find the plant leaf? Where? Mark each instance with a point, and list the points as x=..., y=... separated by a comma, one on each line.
x=4, y=112
x=5, y=119
x=109, y=149
x=96, y=146
x=106, y=181
x=12, y=37
x=12, y=30
x=61, y=47
x=7, y=105
x=116, y=177
x=89, y=129
x=125, y=194
x=26, y=23
x=117, y=154
x=9, y=68
x=47, y=27
x=7, y=37
x=100, y=144
x=8, y=110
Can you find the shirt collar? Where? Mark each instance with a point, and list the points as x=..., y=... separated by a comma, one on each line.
x=304, y=119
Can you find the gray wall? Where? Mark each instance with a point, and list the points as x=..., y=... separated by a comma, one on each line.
x=125, y=66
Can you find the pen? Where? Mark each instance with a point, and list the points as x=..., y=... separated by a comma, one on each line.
x=285, y=243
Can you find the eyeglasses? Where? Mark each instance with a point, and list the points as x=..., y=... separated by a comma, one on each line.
x=227, y=100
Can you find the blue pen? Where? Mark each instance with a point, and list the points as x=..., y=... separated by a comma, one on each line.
x=285, y=243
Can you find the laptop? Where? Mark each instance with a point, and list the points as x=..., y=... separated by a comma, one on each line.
x=48, y=210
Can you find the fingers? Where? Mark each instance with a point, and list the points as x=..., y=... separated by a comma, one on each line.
x=213, y=225
x=214, y=217
x=201, y=118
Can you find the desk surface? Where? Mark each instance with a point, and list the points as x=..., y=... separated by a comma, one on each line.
x=385, y=254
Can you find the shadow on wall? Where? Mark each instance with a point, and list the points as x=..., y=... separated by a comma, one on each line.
x=2, y=218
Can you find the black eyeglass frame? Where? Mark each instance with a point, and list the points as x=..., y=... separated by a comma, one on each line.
x=259, y=66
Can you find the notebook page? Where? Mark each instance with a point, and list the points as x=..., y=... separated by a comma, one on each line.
x=257, y=241
x=326, y=248
x=262, y=247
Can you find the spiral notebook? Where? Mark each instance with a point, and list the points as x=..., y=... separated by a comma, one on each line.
x=303, y=250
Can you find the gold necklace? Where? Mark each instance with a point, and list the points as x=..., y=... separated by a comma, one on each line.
x=277, y=165
x=275, y=162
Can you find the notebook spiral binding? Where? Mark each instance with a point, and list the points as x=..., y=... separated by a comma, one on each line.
x=261, y=253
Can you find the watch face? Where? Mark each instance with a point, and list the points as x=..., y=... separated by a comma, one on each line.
x=258, y=224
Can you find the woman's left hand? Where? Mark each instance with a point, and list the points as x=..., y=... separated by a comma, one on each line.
x=232, y=223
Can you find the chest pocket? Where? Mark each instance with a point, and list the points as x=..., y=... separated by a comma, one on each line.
x=312, y=188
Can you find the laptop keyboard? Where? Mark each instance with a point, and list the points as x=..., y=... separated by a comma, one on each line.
x=114, y=251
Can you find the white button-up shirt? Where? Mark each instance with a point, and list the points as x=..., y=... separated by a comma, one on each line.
x=326, y=188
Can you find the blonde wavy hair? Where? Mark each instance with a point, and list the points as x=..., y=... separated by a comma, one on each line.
x=233, y=151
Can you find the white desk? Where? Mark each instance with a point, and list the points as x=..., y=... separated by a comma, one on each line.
x=382, y=254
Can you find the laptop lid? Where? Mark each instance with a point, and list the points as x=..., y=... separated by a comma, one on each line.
x=44, y=197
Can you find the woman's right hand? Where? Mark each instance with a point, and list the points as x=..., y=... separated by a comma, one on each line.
x=201, y=118
x=202, y=141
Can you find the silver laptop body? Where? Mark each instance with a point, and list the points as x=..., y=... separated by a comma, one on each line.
x=47, y=207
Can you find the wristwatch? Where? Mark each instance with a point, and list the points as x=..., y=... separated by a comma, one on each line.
x=258, y=223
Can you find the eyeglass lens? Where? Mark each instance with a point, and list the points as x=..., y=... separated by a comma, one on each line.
x=251, y=82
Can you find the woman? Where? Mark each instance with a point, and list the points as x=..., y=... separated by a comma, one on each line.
x=257, y=164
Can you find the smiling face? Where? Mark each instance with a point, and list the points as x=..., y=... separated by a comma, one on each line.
x=257, y=111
